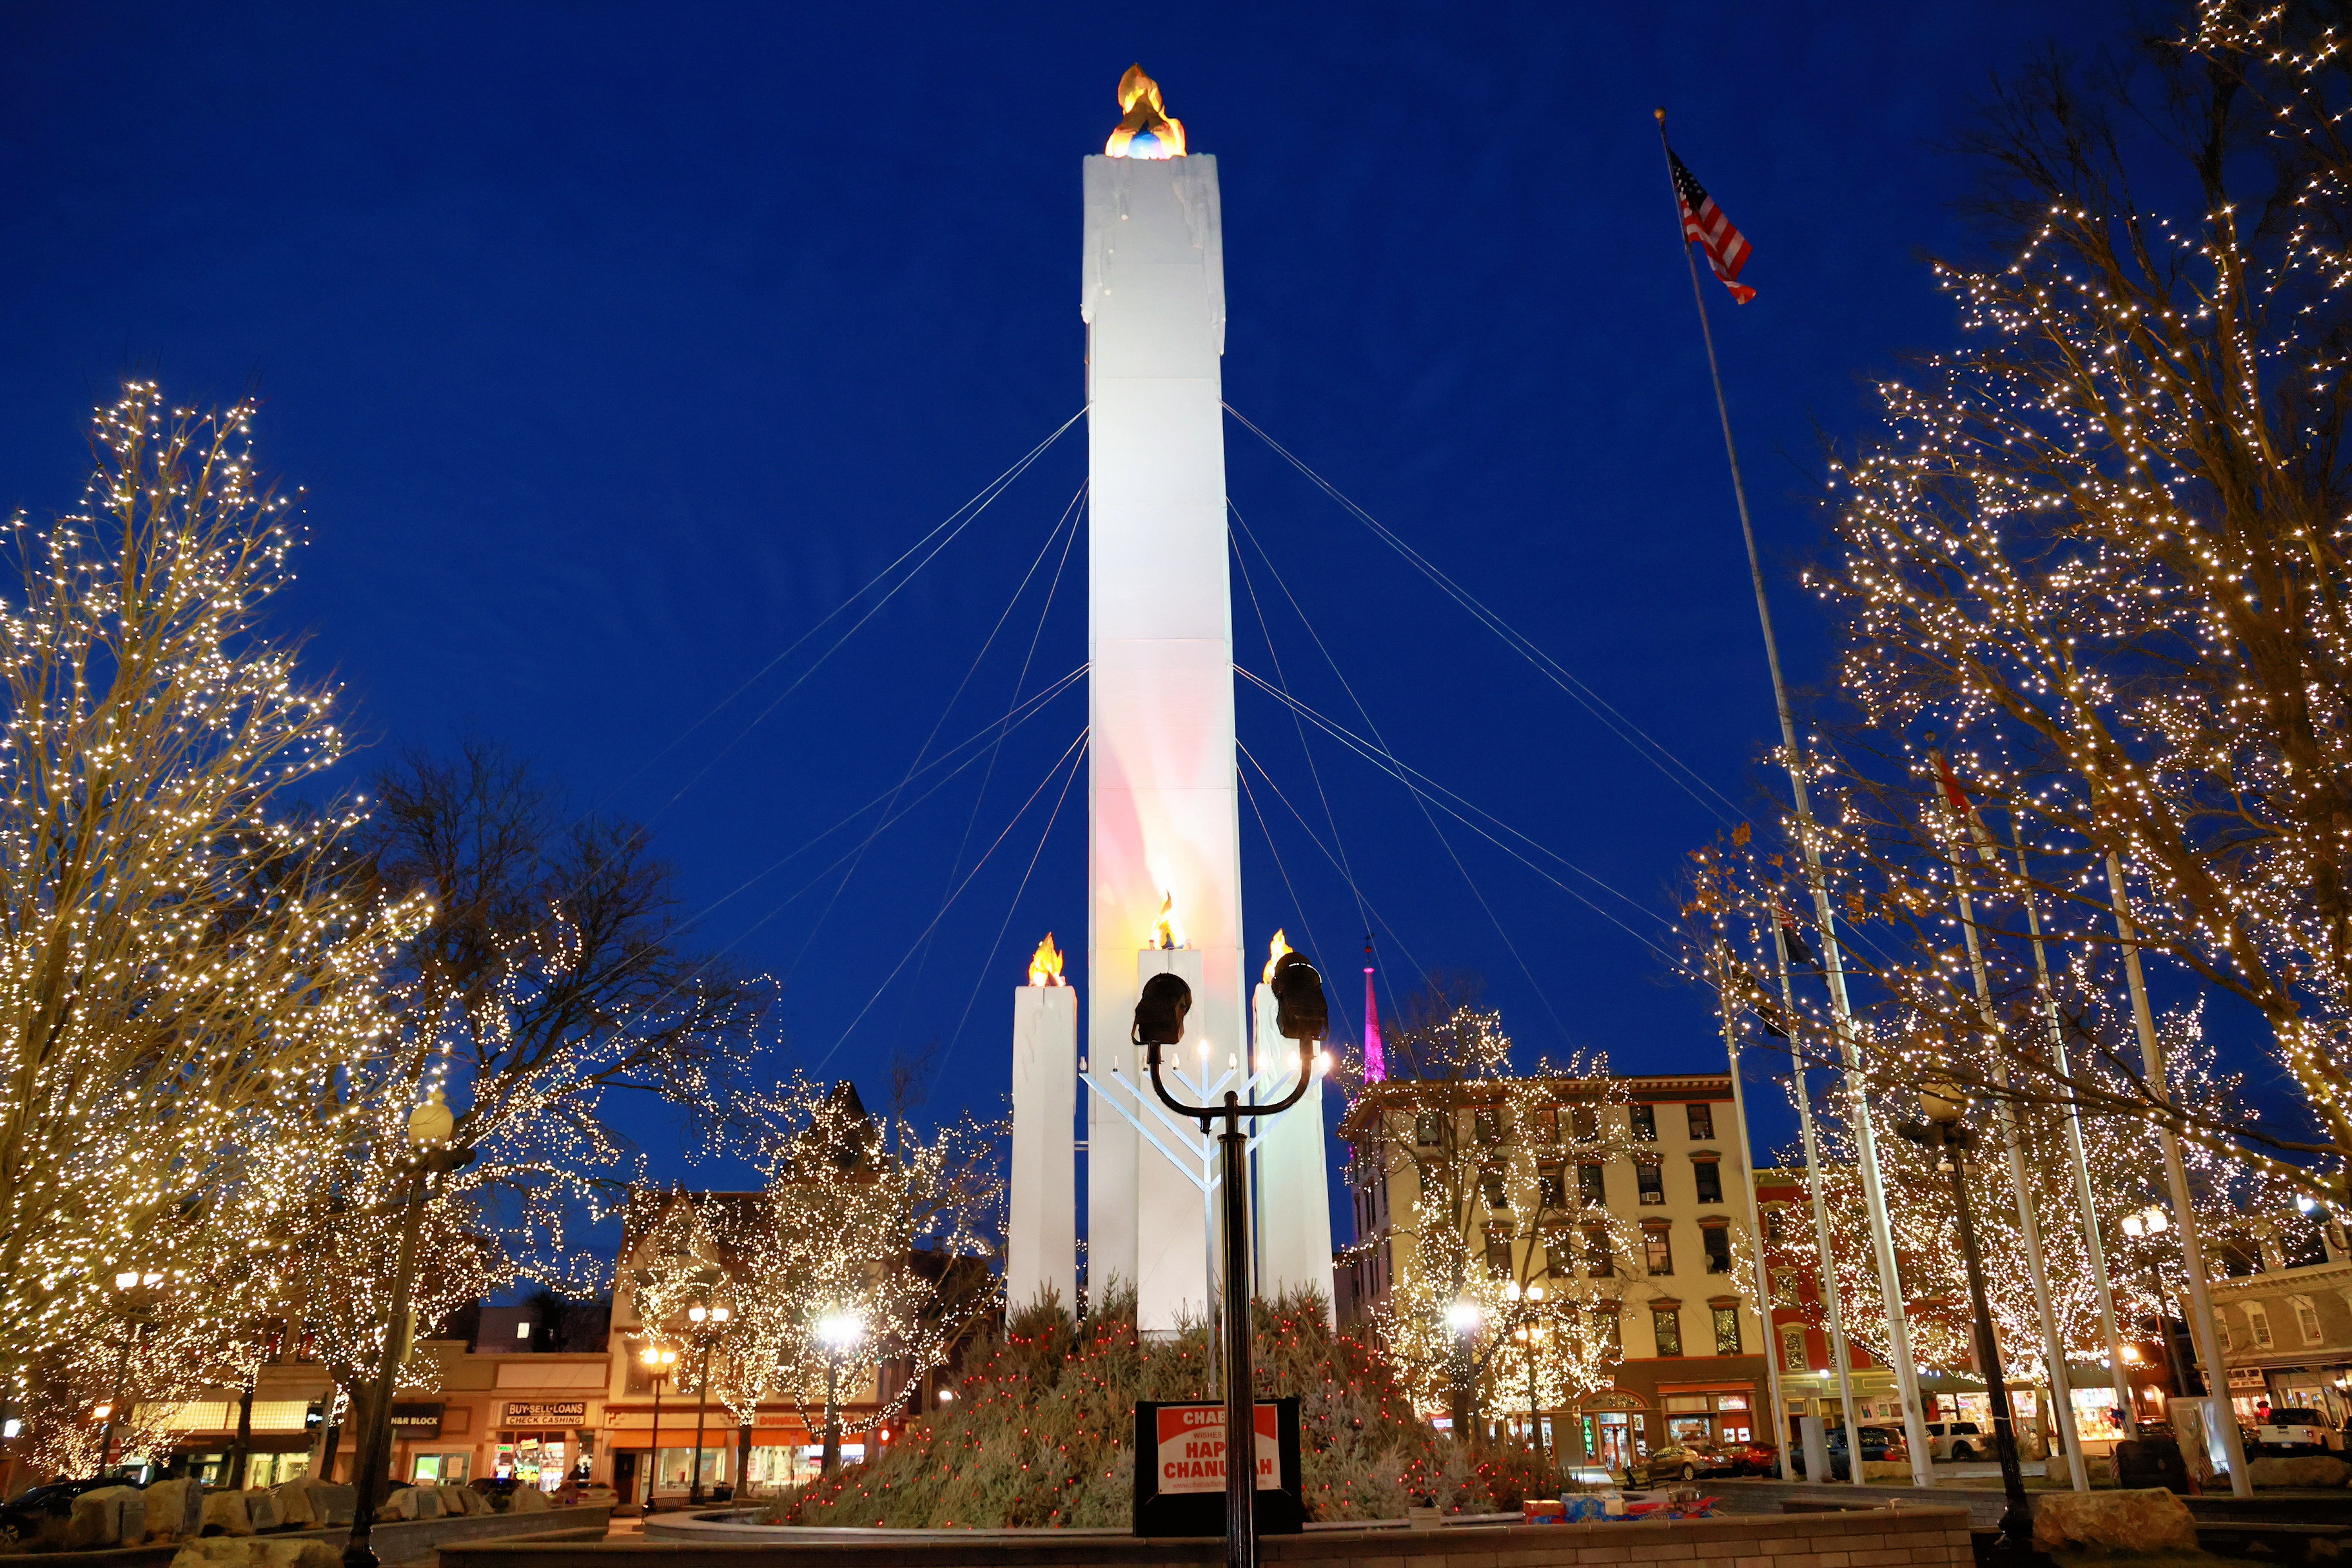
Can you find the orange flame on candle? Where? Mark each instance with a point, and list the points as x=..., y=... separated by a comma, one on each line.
x=1274, y=951
x=1165, y=931
x=1046, y=963
x=1145, y=129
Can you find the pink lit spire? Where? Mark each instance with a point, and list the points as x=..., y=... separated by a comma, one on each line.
x=1376, y=1066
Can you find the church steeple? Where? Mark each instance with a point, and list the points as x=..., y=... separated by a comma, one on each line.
x=1376, y=1066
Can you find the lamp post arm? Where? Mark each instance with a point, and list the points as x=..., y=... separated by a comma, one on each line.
x=1233, y=1106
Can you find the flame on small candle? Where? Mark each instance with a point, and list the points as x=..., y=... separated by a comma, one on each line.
x=1145, y=129
x=1165, y=932
x=1046, y=963
x=1274, y=951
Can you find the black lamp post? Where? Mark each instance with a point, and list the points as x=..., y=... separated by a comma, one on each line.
x=709, y=1322
x=658, y=1360
x=2153, y=1221
x=1300, y=1015
x=430, y=1127
x=1943, y=1103
x=839, y=1334
x=139, y=1293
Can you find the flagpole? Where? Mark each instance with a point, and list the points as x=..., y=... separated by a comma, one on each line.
x=1890, y=1286
x=2184, y=1216
x=2092, y=1246
x=1841, y=1357
x=2028, y=1224
x=1779, y=1427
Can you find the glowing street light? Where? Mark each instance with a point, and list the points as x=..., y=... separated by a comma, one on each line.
x=839, y=1334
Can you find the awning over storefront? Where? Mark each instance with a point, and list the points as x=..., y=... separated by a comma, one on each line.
x=713, y=1437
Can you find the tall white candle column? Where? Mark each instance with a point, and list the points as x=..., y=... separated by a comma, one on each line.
x=1172, y=1225
x=1041, y=1243
x=1162, y=803
x=1292, y=1202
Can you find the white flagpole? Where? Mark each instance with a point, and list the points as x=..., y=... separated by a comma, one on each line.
x=1840, y=1356
x=2053, y=1349
x=2094, y=1247
x=2192, y=1251
x=1890, y=1283
x=1779, y=1427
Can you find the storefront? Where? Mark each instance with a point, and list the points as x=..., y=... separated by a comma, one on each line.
x=1611, y=1424
x=543, y=1443
x=1717, y=1412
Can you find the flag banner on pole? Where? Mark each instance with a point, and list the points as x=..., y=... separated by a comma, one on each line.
x=1726, y=249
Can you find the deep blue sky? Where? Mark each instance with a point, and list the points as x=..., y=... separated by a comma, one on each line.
x=618, y=346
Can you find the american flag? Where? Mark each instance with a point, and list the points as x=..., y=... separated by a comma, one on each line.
x=1727, y=247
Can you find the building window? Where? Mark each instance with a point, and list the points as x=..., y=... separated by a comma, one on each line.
x=1710, y=1180
x=1590, y=1185
x=1646, y=1124
x=1487, y=1126
x=2221, y=1328
x=1657, y=1249
x=2306, y=1319
x=1772, y=1224
x=1667, y=1324
x=1718, y=1247
x=1702, y=1122
x=1429, y=1128
x=1598, y=1261
x=1726, y=1327
x=1608, y=1328
x=1490, y=1181
x=1498, y=1253
x=1547, y=1124
x=2260, y=1322
x=1793, y=1348
x=1551, y=1185
x=1649, y=1182
x=1559, y=1254
x=1585, y=1122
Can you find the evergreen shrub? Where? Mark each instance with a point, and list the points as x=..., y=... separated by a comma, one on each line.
x=1042, y=1429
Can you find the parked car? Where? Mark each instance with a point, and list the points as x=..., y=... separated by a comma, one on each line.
x=1956, y=1440
x=1687, y=1460
x=1878, y=1444
x=1752, y=1458
x=22, y=1518
x=2295, y=1431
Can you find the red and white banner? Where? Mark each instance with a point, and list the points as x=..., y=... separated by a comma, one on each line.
x=1193, y=1447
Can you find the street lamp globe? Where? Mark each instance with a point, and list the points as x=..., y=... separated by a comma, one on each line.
x=1943, y=1102
x=127, y=1280
x=432, y=1122
x=698, y=1313
x=839, y=1330
x=1463, y=1317
x=720, y=1315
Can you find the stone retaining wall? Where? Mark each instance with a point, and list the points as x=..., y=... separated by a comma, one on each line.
x=395, y=1541
x=1906, y=1538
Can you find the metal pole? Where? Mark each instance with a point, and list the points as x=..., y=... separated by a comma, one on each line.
x=2017, y=1516
x=1840, y=1356
x=2028, y=1226
x=2192, y=1252
x=653, y=1454
x=1755, y=1227
x=114, y=1404
x=701, y=1405
x=832, y=1459
x=375, y=1442
x=1534, y=1409
x=2093, y=1245
x=1881, y=1237
x=1241, y=1382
